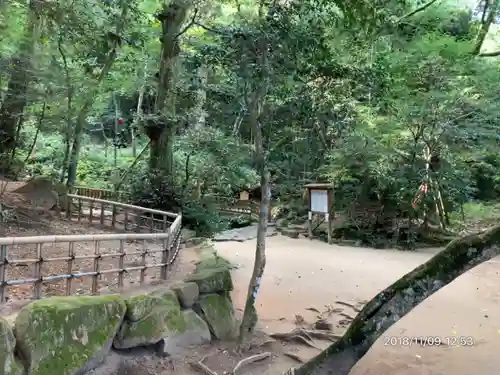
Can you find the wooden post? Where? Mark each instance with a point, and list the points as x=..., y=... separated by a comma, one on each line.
x=310, y=225
x=329, y=230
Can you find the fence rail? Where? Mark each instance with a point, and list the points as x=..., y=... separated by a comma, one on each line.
x=230, y=206
x=244, y=207
x=107, y=194
x=85, y=256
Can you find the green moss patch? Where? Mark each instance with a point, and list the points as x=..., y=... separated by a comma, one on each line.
x=63, y=335
x=217, y=310
x=213, y=275
x=150, y=318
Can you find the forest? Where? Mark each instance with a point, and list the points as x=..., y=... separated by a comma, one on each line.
x=181, y=103
x=385, y=99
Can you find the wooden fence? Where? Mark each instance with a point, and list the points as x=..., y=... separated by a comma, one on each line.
x=159, y=232
x=230, y=206
x=242, y=207
x=108, y=194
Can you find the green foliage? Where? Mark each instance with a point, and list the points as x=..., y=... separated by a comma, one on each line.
x=350, y=92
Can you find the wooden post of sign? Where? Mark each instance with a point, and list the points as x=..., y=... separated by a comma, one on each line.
x=310, y=225
x=320, y=202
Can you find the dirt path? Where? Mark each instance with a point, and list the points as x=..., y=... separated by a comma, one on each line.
x=302, y=274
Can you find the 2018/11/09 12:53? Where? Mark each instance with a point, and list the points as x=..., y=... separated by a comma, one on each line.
x=428, y=341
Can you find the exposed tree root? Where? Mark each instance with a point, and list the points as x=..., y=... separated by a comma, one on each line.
x=200, y=366
x=305, y=336
x=264, y=342
x=348, y=305
x=248, y=360
x=293, y=356
x=322, y=335
x=347, y=316
x=297, y=338
x=313, y=309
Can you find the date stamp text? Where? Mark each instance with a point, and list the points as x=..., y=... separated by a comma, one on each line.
x=428, y=341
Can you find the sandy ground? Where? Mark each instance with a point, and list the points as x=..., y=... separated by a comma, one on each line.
x=302, y=274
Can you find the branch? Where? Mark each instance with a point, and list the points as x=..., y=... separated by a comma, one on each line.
x=418, y=10
x=209, y=29
x=189, y=25
x=397, y=300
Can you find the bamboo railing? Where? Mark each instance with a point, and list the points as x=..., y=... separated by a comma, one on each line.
x=159, y=232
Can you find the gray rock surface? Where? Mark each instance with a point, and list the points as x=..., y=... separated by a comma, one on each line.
x=187, y=293
x=196, y=333
x=242, y=234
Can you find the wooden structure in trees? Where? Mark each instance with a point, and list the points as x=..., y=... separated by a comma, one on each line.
x=320, y=198
x=159, y=231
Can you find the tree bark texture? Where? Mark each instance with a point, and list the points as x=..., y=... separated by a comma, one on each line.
x=255, y=106
x=397, y=300
x=199, y=113
x=160, y=128
x=489, y=13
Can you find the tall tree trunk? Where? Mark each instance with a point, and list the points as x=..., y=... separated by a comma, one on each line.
x=199, y=113
x=397, y=300
x=137, y=121
x=138, y=113
x=81, y=119
x=115, y=132
x=68, y=129
x=15, y=99
x=489, y=13
x=160, y=127
x=255, y=106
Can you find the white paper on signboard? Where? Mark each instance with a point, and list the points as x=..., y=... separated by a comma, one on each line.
x=319, y=201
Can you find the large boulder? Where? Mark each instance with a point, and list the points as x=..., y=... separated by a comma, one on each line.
x=187, y=293
x=213, y=275
x=196, y=332
x=149, y=319
x=218, y=311
x=8, y=364
x=68, y=335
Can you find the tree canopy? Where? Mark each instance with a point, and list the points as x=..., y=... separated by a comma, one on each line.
x=361, y=94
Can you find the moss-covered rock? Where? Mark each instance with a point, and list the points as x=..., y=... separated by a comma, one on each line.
x=150, y=318
x=217, y=310
x=196, y=332
x=211, y=260
x=213, y=275
x=8, y=364
x=187, y=293
x=68, y=335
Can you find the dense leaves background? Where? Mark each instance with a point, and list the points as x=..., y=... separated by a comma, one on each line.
x=352, y=93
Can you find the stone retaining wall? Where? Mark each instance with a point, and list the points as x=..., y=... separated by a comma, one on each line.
x=73, y=335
